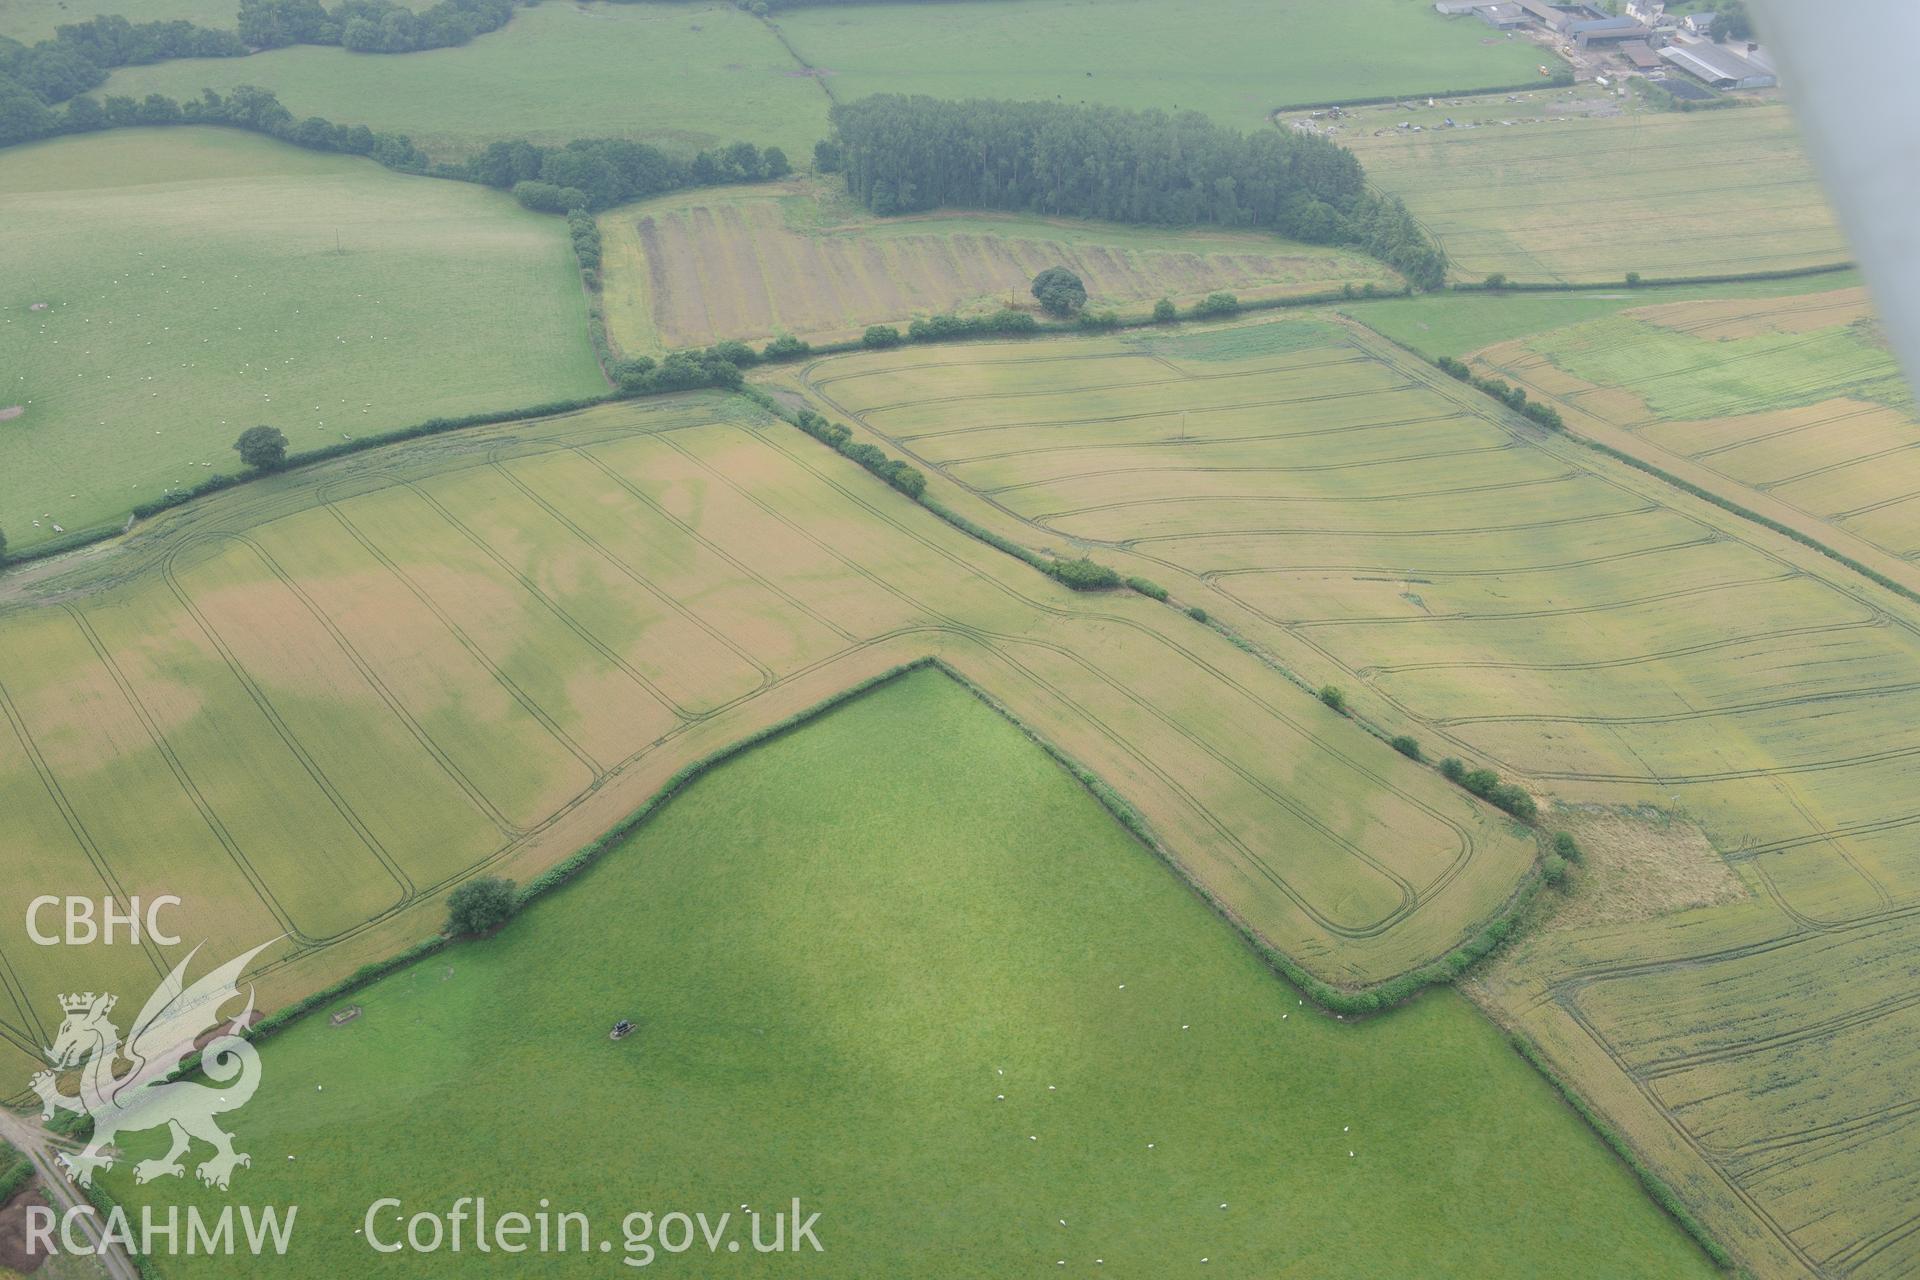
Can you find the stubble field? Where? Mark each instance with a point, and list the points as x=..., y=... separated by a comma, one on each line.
x=1510, y=598
x=168, y=288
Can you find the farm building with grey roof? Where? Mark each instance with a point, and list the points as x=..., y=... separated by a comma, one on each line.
x=1720, y=67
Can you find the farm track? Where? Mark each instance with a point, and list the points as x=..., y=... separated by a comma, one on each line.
x=1795, y=821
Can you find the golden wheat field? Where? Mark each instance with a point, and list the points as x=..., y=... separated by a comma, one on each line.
x=327, y=699
x=1743, y=706
x=1570, y=185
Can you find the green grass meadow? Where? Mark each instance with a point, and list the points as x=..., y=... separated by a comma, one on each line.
x=1234, y=60
x=199, y=281
x=900, y=965
x=1458, y=324
x=30, y=20
x=676, y=75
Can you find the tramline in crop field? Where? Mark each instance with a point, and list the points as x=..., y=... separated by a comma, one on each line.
x=344, y=690
x=1554, y=186
x=1509, y=597
x=1792, y=401
x=905, y=913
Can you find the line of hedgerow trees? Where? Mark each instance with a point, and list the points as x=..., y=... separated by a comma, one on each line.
x=370, y=26
x=81, y=54
x=904, y=154
x=587, y=173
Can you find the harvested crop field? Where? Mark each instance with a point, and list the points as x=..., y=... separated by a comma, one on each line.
x=1509, y=597
x=344, y=691
x=1795, y=399
x=692, y=269
x=203, y=281
x=1541, y=191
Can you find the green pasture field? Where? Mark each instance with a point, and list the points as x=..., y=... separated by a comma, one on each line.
x=693, y=268
x=900, y=964
x=1233, y=60
x=676, y=75
x=1459, y=324
x=196, y=282
x=31, y=20
x=1509, y=597
x=1565, y=185
x=313, y=704
x=1791, y=400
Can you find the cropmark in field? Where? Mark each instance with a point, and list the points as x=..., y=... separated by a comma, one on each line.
x=900, y=958
x=1509, y=597
x=1794, y=402
x=1558, y=185
x=692, y=269
x=313, y=705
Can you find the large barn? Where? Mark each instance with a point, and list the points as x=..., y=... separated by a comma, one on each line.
x=1719, y=66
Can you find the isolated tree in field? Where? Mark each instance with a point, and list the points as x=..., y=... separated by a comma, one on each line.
x=1164, y=312
x=262, y=448
x=479, y=906
x=1333, y=697
x=1060, y=292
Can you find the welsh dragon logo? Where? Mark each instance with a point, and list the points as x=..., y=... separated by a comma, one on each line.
x=175, y=1016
